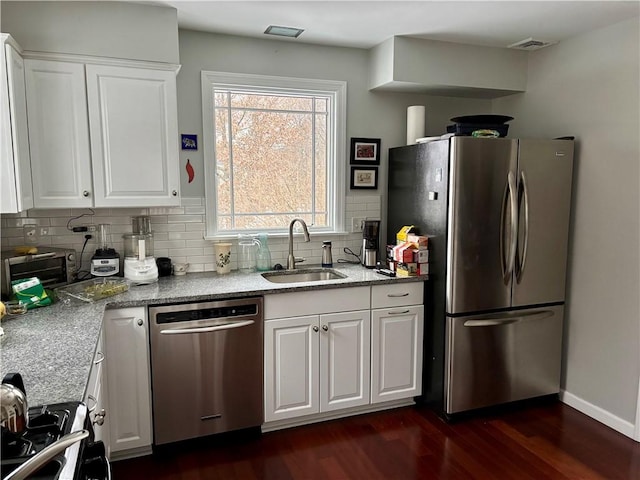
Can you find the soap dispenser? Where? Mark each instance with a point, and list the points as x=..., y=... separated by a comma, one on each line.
x=263, y=257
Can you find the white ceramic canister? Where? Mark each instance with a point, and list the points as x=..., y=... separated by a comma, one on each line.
x=223, y=257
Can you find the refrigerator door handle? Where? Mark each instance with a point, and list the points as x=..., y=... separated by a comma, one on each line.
x=498, y=320
x=508, y=265
x=525, y=194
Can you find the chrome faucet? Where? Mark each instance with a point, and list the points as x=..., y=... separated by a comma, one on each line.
x=291, y=260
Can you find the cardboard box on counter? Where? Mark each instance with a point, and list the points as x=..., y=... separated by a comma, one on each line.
x=401, y=236
x=421, y=242
x=412, y=269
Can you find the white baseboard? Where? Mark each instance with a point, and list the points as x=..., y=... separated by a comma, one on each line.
x=599, y=414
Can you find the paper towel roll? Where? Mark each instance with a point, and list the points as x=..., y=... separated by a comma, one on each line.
x=415, y=123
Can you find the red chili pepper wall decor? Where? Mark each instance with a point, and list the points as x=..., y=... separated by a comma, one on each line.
x=190, y=171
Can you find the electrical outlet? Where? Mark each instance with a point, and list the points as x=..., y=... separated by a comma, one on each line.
x=357, y=224
x=43, y=231
x=91, y=228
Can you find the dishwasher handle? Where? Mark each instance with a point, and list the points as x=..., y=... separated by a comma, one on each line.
x=217, y=328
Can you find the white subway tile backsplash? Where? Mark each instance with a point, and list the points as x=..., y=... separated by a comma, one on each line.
x=186, y=235
x=195, y=210
x=166, y=211
x=194, y=227
x=178, y=232
x=170, y=244
x=185, y=252
x=185, y=218
x=190, y=201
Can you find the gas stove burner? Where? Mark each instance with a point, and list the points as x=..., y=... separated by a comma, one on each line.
x=13, y=445
x=46, y=425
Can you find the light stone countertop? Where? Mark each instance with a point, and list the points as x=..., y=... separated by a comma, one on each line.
x=53, y=347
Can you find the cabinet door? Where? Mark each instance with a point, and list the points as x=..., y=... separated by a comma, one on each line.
x=58, y=134
x=291, y=367
x=16, y=190
x=345, y=361
x=134, y=136
x=128, y=385
x=94, y=396
x=396, y=353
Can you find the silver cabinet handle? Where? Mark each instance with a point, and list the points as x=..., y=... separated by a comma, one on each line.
x=325, y=328
x=140, y=322
x=95, y=402
x=397, y=295
x=99, y=417
x=174, y=193
x=99, y=360
x=85, y=193
x=399, y=312
x=43, y=457
x=495, y=321
x=315, y=328
x=226, y=326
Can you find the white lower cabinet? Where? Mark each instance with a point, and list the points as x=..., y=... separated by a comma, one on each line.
x=316, y=363
x=128, y=380
x=396, y=358
x=341, y=351
x=94, y=397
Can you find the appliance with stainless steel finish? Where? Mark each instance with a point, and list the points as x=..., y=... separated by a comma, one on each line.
x=54, y=267
x=498, y=214
x=370, y=243
x=206, y=367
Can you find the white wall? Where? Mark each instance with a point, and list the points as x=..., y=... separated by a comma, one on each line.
x=369, y=114
x=109, y=29
x=588, y=86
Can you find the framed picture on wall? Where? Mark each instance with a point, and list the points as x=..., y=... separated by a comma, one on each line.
x=364, y=177
x=365, y=151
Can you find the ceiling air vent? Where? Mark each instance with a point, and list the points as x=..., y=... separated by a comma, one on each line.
x=530, y=44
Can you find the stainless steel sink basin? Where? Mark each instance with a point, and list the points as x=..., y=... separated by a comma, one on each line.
x=306, y=275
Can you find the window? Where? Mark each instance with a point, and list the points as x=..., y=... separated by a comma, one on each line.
x=273, y=151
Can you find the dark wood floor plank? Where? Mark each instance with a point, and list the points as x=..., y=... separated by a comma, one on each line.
x=551, y=441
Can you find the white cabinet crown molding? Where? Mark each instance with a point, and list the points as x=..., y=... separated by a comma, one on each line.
x=90, y=60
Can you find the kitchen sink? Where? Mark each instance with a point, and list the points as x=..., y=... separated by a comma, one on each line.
x=303, y=275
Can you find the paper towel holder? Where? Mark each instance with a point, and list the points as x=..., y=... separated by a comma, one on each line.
x=365, y=151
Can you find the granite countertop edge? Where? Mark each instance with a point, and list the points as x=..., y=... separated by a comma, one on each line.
x=53, y=347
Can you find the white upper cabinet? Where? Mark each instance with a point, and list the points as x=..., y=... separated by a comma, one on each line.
x=134, y=136
x=58, y=134
x=102, y=135
x=15, y=164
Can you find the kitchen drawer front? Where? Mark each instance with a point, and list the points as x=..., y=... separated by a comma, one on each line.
x=316, y=302
x=397, y=294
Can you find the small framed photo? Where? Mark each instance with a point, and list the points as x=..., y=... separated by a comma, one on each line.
x=189, y=141
x=365, y=151
x=364, y=177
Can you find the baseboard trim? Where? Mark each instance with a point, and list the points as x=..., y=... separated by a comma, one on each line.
x=599, y=414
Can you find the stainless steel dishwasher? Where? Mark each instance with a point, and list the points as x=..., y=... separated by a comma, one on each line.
x=206, y=368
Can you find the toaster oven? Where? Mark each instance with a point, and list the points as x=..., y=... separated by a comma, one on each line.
x=53, y=267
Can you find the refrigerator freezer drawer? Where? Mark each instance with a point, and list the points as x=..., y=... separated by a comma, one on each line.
x=499, y=358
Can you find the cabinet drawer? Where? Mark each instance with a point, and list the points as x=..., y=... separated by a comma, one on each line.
x=396, y=294
x=316, y=302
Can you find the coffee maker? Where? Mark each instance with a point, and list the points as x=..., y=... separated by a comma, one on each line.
x=370, y=243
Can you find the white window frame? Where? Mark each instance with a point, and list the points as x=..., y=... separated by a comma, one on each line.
x=336, y=150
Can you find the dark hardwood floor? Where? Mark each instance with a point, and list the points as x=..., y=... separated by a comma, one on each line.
x=539, y=442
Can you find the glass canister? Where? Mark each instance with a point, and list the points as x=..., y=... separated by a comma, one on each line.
x=247, y=251
x=263, y=257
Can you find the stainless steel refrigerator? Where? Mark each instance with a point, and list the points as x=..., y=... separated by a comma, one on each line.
x=498, y=212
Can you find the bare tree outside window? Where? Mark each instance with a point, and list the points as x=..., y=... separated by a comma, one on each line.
x=274, y=155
